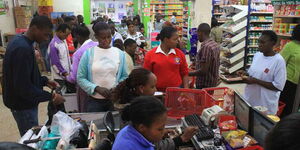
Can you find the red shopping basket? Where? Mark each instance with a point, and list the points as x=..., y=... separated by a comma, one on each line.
x=281, y=106
x=216, y=95
x=181, y=102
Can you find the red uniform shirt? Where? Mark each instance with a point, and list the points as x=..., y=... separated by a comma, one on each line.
x=169, y=69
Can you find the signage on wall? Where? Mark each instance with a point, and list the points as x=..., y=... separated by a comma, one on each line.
x=3, y=7
x=111, y=8
x=146, y=11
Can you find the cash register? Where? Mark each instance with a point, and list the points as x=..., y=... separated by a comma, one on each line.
x=206, y=138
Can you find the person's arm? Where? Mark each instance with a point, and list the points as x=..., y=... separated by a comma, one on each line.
x=204, y=60
x=204, y=67
x=73, y=74
x=82, y=75
x=251, y=80
x=123, y=68
x=54, y=59
x=184, y=72
x=23, y=62
x=286, y=53
x=279, y=79
x=147, y=62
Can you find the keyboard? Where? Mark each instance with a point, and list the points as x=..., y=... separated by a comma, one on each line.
x=209, y=148
x=205, y=133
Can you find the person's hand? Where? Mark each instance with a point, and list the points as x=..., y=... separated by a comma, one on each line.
x=188, y=133
x=58, y=99
x=52, y=84
x=241, y=73
x=103, y=91
x=65, y=74
x=169, y=132
x=248, y=80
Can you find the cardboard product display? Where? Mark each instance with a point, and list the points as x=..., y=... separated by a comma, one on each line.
x=23, y=16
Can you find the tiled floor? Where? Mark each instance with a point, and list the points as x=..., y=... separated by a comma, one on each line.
x=8, y=127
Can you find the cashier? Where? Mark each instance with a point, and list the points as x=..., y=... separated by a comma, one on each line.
x=167, y=62
x=267, y=75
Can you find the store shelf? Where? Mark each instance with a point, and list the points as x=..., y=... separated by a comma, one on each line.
x=284, y=35
x=259, y=30
x=235, y=28
x=261, y=21
x=262, y=2
x=170, y=9
x=237, y=37
x=252, y=46
x=233, y=68
x=166, y=3
x=235, y=58
x=235, y=48
x=261, y=13
x=286, y=16
x=219, y=13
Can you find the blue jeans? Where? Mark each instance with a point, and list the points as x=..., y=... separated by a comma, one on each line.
x=99, y=105
x=26, y=119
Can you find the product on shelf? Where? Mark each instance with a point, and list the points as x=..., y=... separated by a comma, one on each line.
x=261, y=7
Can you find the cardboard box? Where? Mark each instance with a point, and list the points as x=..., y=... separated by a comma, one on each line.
x=22, y=21
x=23, y=11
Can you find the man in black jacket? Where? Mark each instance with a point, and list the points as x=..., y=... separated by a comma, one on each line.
x=22, y=81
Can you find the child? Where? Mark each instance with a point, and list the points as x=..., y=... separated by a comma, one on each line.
x=115, y=35
x=148, y=118
x=133, y=34
x=100, y=69
x=142, y=82
x=139, y=82
x=130, y=49
x=59, y=55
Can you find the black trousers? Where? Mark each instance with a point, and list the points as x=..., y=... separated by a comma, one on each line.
x=288, y=97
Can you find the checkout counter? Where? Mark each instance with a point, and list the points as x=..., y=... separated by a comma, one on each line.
x=209, y=137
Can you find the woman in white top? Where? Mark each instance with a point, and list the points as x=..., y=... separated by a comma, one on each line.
x=133, y=34
x=267, y=75
x=101, y=68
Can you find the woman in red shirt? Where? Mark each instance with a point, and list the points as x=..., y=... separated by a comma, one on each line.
x=167, y=62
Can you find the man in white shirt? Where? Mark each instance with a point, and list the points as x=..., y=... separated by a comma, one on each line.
x=267, y=75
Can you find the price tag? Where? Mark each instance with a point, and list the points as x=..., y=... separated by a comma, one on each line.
x=290, y=2
x=277, y=2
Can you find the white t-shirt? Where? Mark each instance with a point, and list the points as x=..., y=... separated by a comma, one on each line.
x=269, y=69
x=129, y=62
x=137, y=37
x=105, y=67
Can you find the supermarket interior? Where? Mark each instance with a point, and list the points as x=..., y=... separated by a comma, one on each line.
x=150, y=74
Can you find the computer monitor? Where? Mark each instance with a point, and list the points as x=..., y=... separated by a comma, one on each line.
x=261, y=125
x=242, y=111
